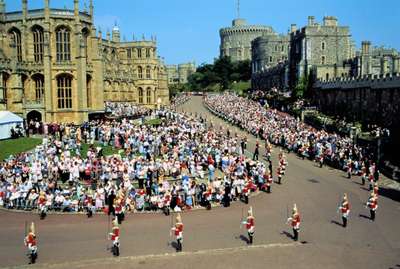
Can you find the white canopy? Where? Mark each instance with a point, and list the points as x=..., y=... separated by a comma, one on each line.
x=8, y=120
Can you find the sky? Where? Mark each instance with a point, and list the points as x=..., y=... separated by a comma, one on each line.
x=188, y=30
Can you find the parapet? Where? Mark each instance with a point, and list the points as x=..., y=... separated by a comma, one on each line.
x=367, y=81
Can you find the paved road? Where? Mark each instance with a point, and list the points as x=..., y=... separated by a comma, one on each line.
x=213, y=238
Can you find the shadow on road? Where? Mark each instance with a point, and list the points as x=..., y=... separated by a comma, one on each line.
x=174, y=245
x=289, y=235
x=337, y=223
x=244, y=238
x=390, y=193
x=364, y=216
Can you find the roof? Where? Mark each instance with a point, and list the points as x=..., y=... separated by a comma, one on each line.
x=7, y=117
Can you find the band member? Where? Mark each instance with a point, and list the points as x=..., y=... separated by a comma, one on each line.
x=178, y=230
x=371, y=181
x=372, y=204
x=376, y=189
x=30, y=242
x=279, y=173
x=268, y=181
x=119, y=214
x=88, y=203
x=295, y=222
x=166, y=203
x=42, y=205
x=349, y=168
x=250, y=225
x=114, y=237
x=345, y=209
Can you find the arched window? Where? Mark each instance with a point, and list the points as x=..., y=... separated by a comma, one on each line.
x=63, y=44
x=89, y=90
x=323, y=45
x=15, y=42
x=140, y=96
x=148, y=54
x=85, y=38
x=148, y=95
x=323, y=60
x=140, y=72
x=148, y=72
x=64, y=92
x=39, y=86
x=139, y=53
x=38, y=41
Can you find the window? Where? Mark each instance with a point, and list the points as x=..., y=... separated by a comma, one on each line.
x=283, y=48
x=15, y=43
x=129, y=53
x=38, y=41
x=148, y=53
x=39, y=87
x=139, y=53
x=140, y=96
x=276, y=47
x=63, y=45
x=64, y=92
x=148, y=95
x=85, y=37
x=270, y=59
x=323, y=60
x=148, y=72
x=89, y=90
x=323, y=45
x=327, y=76
x=140, y=72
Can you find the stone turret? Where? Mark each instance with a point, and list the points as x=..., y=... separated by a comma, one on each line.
x=2, y=10
x=330, y=21
x=311, y=20
x=116, y=34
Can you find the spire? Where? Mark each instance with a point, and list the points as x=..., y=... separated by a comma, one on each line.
x=91, y=8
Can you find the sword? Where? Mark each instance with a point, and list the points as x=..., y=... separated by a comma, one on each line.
x=241, y=220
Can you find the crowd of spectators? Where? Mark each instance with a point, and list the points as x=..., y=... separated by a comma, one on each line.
x=286, y=131
x=179, y=164
x=124, y=109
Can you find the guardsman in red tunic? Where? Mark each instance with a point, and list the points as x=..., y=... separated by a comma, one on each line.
x=345, y=209
x=372, y=204
x=294, y=221
x=118, y=210
x=268, y=181
x=376, y=189
x=88, y=203
x=178, y=231
x=250, y=225
x=167, y=202
x=279, y=173
x=30, y=242
x=114, y=237
x=42, y=205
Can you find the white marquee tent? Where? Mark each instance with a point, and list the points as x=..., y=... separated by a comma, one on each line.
x=8, y=120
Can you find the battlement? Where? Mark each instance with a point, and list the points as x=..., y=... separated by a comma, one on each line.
x=367, y=81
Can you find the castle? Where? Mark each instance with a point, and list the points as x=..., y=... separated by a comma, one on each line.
x=56, y=66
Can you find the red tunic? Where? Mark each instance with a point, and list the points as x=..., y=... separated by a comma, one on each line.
x=250, y=224
x=296, y=221
x=178, y=229
x=41, y=201
x=30, y=239
x=115, y=233
x=345, y=207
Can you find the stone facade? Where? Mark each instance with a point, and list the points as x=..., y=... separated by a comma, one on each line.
x=374, y=61
x=321, y=49
x=179, y=74
x=55, y=66
x=236, y=40
x=369, y=99
x=269, y=61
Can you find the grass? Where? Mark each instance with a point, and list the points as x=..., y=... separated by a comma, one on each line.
x=241, y=86
x=15, y=146
x=153, y=122
x=107, y=150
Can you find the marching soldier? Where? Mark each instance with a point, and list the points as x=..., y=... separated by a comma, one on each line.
x=250, y=225
x=295, y=222
x=178, y=230
x=279, y=173
x=119, y=214
x=345, y=209
x=268, y=181
x=372, y=204
x=114, y=237
x=376, y=189
x=42, y=205
x=30, y=242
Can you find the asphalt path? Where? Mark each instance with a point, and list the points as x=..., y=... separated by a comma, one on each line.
x=214, y=239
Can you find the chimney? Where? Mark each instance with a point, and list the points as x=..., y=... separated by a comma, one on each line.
x=365, y=46
x=311, y=20
x=293, y=28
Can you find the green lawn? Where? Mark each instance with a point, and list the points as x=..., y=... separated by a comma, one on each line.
x=107, y=150
x=15, y=146
x=241, y=86
x=153, y=122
